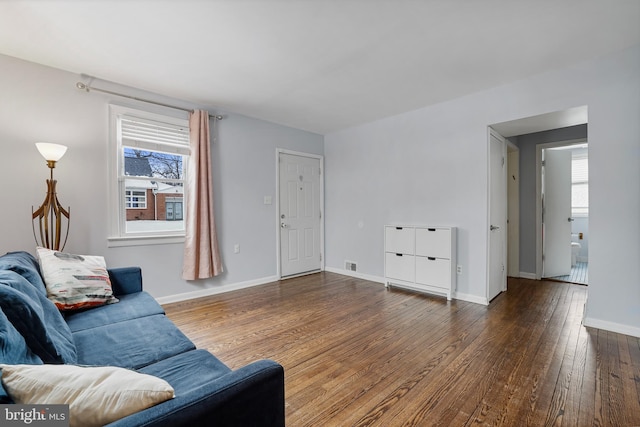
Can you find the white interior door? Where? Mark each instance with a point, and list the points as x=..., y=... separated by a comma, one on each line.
x=556, y=213
x=497, y=278
x=300, y=214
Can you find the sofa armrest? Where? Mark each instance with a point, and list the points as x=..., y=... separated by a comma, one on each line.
x=250, y=396
x=127, y=280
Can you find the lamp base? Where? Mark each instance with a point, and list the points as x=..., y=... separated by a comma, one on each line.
x=51, y=218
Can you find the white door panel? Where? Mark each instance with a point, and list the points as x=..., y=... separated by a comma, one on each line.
x=497, y=217
x=299, y=214
x=556, y=226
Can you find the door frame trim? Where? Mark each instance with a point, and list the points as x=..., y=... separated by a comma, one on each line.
x=277, y=216
x=539, y=148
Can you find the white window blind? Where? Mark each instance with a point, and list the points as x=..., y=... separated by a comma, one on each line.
x=142, y=133
x=580, y=186
x=579, y=170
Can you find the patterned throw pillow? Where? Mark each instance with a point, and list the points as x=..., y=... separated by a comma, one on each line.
x=75, y=281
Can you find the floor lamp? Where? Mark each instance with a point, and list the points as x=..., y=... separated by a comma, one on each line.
x=51, y=215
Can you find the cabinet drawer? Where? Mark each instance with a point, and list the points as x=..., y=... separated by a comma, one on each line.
x=399, y=239
x=433, y=271
x=399, y=266
x=433, y=242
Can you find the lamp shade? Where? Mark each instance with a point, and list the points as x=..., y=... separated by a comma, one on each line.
x=51, y=152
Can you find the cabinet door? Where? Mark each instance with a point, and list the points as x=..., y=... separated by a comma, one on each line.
x=399, y=240
x=433, y=242
x=400, y=267
x=433, y=272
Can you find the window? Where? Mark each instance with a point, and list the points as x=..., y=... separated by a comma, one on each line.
x=136, y=199
x=148, y=169
x=580, y=185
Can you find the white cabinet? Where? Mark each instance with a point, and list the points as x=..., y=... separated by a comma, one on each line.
x=421, y=258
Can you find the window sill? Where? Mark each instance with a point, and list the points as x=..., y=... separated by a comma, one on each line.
x=116, y=242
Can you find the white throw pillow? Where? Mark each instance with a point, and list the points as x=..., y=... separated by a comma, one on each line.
x=95, y=395
x=75, y=281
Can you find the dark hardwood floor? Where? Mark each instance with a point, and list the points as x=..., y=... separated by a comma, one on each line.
x=357, y=354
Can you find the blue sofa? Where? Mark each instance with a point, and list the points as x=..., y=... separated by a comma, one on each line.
x=135, y=334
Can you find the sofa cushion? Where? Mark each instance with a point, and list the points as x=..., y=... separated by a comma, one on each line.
x=25, y=265
x=95, y=395
x=13, y=350
x=125, y=280
x=131, y=306
x=252, y=395
x=188, y=371
x=75, y=281
x=37, y=319
x=131, y=343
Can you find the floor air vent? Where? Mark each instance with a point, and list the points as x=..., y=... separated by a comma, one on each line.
x=350, y=266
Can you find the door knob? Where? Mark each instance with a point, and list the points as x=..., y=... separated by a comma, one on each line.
x=570, y=219
x=283, y=225
x=494, y=227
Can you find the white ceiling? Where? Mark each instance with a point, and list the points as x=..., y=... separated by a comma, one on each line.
x=317, y=65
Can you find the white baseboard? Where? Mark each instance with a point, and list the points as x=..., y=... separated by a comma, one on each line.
x=525, y=275
x=456, y=295
x=355, y=274
x=618, y=328
x=470, y=298
x=257, y=282
x=214, y=291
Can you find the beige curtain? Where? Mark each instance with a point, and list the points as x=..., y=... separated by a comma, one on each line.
x=201, y=255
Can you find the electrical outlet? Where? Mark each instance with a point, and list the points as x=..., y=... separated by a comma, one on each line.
x=459, y=269
x=236, y=248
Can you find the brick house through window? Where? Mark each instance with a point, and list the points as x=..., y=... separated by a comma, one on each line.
x=150, y=200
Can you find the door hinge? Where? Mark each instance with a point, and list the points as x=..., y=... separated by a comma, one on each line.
x=503, y=161
x=320, y=257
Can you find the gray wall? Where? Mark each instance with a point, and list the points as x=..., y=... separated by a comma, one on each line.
x=527, y=145
x=42, y=104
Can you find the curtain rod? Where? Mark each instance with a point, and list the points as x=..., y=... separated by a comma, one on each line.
x=85, y=87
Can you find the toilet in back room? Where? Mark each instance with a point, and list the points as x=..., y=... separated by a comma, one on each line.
x=575, y=250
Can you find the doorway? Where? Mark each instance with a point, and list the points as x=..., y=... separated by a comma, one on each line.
x=526, y=133
x=300, y=213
